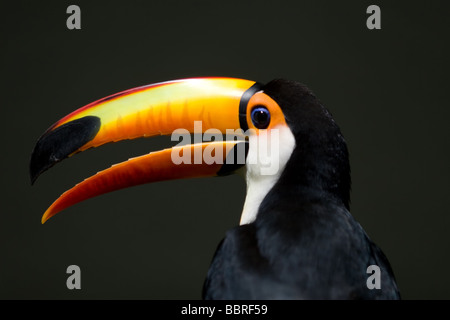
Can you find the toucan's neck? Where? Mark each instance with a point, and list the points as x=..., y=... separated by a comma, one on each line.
x=311, y=179
x=311, y=169
x=319, y=166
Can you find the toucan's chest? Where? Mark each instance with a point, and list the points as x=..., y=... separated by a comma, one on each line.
x=309, y=256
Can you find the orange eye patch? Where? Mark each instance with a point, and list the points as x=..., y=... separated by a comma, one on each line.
x=256, y=114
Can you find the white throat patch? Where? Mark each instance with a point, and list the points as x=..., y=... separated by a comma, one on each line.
x=267, y=156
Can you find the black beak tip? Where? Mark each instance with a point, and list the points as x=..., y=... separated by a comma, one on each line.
x=56, y=145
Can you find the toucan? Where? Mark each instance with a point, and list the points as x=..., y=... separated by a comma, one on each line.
x=296, y=238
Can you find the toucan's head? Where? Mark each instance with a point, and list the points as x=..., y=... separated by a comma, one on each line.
x=278, y=131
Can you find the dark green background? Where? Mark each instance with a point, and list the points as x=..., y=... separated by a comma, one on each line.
x=386, y=88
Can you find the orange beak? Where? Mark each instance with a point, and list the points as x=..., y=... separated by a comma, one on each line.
x=157, y=109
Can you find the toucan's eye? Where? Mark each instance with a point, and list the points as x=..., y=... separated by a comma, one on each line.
x=260, y=117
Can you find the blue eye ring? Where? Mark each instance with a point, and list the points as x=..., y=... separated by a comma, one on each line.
x=260, y=117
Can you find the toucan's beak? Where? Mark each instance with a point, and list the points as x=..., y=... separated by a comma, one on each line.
x=158, y=109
